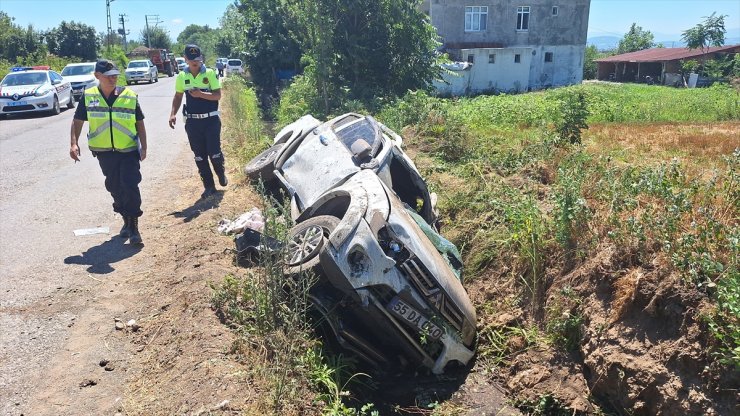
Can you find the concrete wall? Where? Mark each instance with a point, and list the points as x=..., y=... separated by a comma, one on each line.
x=563, y=35
x=569, y=27
x=566, y=67
x=505, y=75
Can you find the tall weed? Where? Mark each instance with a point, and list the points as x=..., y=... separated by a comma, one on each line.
x=243, y=128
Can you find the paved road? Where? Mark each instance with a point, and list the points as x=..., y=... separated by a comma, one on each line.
x=45, y=270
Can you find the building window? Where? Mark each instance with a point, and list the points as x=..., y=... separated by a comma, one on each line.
x=522, y=18
x=548, y=56
x=471, y=58
x=492, y=58
x=475, y=18
x=555, y=10
x=517, y=58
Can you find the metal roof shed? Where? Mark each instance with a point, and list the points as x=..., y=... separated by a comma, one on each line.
x=658, y=63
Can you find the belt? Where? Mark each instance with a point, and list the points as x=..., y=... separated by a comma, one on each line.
x=204, y=115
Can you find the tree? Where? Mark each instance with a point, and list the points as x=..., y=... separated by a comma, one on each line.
x=203, y=36
x=16, y=42
x=590, y=67
x=73, y=39
x=156, y=37
x=709, y=33
x=636, y=39
x=256, y=31
x=109, y=39
x=191, y=33
x=366, y=49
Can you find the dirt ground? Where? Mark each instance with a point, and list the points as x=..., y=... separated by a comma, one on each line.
x=642, y=347
x=177, y=357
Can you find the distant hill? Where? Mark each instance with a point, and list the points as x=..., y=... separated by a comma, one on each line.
x=604, y=42
x=611, y=42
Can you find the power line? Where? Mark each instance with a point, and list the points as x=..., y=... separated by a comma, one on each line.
x=155, y=22
x=110, y=26
x=122, y=31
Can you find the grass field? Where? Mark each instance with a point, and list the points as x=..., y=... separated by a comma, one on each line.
x=654, y=179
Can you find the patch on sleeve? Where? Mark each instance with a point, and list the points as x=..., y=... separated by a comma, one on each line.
x=205, y=80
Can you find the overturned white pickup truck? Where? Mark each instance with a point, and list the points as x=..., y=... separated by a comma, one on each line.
x=389, y=285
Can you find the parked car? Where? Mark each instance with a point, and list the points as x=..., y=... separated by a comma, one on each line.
x=81, y=76
x=389, y=286
x=38, y=88
x=233, y=66
x=141, y=70
x=181, y=64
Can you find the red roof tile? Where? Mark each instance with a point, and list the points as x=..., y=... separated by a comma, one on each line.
x=666, y=54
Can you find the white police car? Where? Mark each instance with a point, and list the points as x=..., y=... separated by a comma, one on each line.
x=38, y=88
x=81, y=76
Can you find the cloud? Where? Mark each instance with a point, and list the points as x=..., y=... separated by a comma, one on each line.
x=177, y=21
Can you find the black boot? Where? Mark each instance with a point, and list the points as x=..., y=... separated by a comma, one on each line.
x=218, y=166
x=125, y=231
x=204, y=169
x=210, y=191
x=222, y=179
x=135, y=237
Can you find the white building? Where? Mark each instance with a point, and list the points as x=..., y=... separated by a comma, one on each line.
x=512, y=46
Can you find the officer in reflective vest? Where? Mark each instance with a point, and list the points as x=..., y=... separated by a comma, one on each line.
x=202, y=90
x=117, y=138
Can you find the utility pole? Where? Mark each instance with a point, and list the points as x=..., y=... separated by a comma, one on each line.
x=155, y=21
x=110, y=27
x=122, y=31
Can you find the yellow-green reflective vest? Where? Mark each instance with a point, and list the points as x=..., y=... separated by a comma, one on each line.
x=111, y=128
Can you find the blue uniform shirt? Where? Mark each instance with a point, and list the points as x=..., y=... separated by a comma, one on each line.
x=205, y=80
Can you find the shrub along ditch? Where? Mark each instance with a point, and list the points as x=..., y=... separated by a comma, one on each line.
x=527, y=206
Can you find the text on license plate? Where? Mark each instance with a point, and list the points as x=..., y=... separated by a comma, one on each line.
x=415, y=318
x=16, y=103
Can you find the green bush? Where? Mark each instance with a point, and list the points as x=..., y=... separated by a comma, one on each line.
x=573, y=115
x=299, y=99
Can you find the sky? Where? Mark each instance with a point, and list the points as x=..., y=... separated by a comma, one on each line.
x=173, y=15
x=666, y=19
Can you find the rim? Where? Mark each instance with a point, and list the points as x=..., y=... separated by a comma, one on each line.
x=267, y=157
x=305, y=245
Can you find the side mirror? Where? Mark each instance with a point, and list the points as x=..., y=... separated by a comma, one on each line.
x=56, y=82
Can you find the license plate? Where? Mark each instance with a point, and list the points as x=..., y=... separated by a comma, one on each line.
x=415, y=318
x=16, y=103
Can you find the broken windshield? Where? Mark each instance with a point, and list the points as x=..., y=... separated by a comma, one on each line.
x=363, y=129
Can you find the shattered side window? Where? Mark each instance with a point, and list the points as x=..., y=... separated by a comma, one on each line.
x=362, y=129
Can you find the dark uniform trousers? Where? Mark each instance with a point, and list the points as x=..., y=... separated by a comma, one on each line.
x=204, y=136
x=122, y=178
